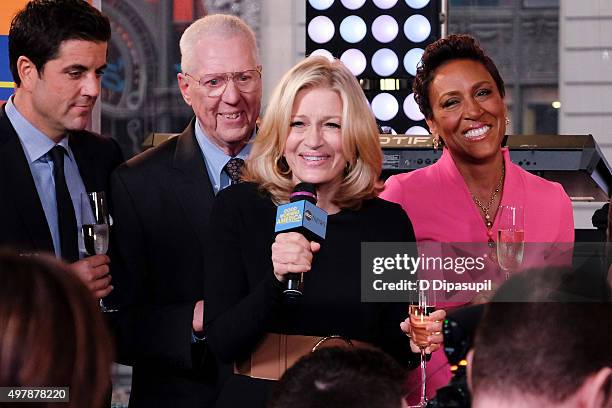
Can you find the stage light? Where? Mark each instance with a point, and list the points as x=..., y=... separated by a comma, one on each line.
x=417, y=4
x=412, y=59
x=417, y=28
x=411, y=108
x=323, y=53
x=385, y=28
x=354, y=60
x=321, y=4
x=321, y=29
x=385, y=106
x=417, y=130
x=384, y=62
x=353, y=29
x=352, y=4
x=389, y=84
x=385, y=4
x=381, y=42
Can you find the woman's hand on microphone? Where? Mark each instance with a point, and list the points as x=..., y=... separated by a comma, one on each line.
x=292, y=253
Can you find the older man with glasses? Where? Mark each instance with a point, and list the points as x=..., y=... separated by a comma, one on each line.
x=162, y=199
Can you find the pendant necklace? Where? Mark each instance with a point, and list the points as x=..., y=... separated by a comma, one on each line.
x=487, y=208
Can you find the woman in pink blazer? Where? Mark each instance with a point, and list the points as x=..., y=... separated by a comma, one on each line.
x=461, y=94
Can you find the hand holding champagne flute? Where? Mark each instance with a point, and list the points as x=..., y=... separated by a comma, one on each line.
x=424, y=328
x=433, y=332
x=419, y=321
x=95, y=225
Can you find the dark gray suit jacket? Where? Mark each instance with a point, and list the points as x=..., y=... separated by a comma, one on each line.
x=23, y=225
x=162, y=201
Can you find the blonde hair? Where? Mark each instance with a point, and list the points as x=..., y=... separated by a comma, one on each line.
x=218, y=26
x=266, y=165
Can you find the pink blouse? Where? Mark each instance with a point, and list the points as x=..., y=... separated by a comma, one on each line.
x=440, y=206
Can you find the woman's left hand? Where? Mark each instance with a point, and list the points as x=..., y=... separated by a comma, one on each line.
x=434, y=329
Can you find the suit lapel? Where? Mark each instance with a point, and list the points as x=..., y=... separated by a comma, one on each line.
x=19, y=186
x=192, y=187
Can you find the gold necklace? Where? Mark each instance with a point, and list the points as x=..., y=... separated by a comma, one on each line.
x=486, y=208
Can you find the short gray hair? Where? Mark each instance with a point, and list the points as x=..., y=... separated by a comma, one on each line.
x=214, y=25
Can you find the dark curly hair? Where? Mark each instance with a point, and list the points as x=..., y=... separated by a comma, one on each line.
x=453, y=47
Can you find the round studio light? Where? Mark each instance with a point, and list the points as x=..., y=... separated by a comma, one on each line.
x=417, y=28
x=353, y=29
x=354, y=60
x=385, y=4
x=412, y=59
x=385, y=28
x=384, y=62
x=323, y=53
x=411, y=108
x=321, y=29
x=417, y=4
x=321, y=4
x=385, y=106
x=417, y=130
x=352, y=4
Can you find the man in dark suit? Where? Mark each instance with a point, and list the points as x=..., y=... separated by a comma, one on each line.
x=162, y=200
x=57, y=53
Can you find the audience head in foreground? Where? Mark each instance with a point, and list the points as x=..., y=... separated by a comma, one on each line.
x=543, y=352
x=51, y=331
x=341, y=377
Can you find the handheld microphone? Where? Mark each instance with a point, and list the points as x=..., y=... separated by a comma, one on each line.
x=301, y=215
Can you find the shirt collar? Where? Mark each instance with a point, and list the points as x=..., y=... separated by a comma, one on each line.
x=35, y=143
x=215, y=157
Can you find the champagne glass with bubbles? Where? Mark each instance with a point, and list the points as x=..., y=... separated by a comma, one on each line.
x=94, y=229
x=419, y=320
x=511, y=237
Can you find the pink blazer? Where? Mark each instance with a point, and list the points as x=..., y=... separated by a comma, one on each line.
x=440, y=206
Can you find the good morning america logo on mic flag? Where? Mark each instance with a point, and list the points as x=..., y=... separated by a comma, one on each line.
x=301, y=214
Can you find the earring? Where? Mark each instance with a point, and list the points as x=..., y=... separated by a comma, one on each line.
x=507, y=121
x=282, y=166
x=436, y=142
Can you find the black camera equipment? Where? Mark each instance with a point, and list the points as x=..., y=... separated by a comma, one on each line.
x=458, y=331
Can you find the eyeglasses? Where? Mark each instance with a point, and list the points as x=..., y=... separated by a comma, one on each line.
x=214, y=84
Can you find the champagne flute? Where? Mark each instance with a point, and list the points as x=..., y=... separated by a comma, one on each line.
x=419, y=320
x=94, y=228
x=510, y=237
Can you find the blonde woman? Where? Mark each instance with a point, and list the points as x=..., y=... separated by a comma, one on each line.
x=318, y=129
